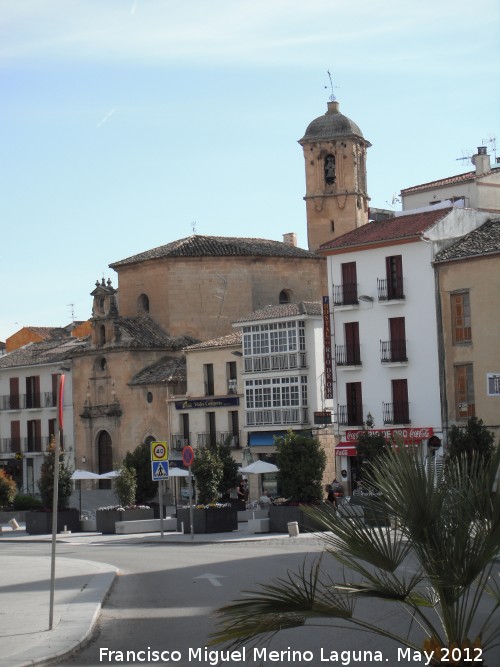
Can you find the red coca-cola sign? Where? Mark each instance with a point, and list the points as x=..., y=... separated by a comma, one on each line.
x=408, y=435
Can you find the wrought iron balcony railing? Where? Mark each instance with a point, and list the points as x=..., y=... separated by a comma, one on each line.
x=393, y=351
x=396, y=413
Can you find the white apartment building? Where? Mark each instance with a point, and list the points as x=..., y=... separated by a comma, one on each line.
x=211, y=411
x=28, y=407
x=383, y=297
x=478, y=189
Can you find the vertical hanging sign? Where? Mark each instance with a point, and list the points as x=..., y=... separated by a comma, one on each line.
x=327, y=348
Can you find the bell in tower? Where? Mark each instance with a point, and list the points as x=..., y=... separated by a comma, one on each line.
x=335, y=161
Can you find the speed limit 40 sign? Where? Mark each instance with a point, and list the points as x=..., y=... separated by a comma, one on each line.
x=159, y=451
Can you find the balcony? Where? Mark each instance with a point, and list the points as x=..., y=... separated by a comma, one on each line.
x=275, y=362
x=347, y=355
x=277, y=416
x=24, y=445
x=177, y=443
x=393, y=351
x=218, y=438
x=345, y=295
x=396, y=413
x=45, y=399
x=232, y=387
x=350, y=415
x=390, y=290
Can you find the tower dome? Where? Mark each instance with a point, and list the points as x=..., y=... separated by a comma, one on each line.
x=331, y=125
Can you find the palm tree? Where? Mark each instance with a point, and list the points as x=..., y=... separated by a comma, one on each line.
x=450, y=529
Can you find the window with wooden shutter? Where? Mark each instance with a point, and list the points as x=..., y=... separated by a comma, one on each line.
x=464, y=392
x=400, y=402
x=460, y=318
x=14, y=393
x=15, y=436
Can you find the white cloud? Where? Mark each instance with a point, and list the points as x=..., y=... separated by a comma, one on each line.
x=292, y=32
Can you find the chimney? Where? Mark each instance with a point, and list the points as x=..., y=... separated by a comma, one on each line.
x=481, y=161
x=290, y=239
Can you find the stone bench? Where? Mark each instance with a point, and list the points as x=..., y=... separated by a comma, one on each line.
x=247, y=515
x=259, y=525
x=145, y=526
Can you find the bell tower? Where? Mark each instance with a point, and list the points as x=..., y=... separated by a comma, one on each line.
x=335, y=162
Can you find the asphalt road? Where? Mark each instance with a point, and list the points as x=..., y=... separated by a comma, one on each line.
x=164, y=598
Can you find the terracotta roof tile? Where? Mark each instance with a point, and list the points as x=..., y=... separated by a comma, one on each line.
x=480, y=242
x=394, y=229
x=166, y=369
x=46, y=352
x=219, y=246
x=223, y=341
x=283, y=310
x=144, y=332
x=459, y=178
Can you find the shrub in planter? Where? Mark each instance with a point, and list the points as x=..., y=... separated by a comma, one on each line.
x=208, y=470
x=216, y=518
x=140, y=461
x=46, y=483
x=125, y=486
x=8, y=489
x=301, y=461
x=25, y=502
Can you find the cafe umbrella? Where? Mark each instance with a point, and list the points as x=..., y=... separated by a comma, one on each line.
x=78, y=475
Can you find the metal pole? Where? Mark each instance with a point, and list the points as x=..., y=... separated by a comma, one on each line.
x=60, y=396
x=191, y=503
x=160, y=497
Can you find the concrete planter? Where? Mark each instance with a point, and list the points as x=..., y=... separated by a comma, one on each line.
x=18, y=515
x=88, y=525
x=209, y=520
x=40, y=523
x=106, y=519
x=281, y=515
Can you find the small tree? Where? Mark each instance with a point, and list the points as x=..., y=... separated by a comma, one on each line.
x=301, y=461
x=229, y=469
x=46, y=482
x=125, y=486
x=140, y=461
x=475, y=437
x=8, y=489
x=208, y=470
x=370, y=446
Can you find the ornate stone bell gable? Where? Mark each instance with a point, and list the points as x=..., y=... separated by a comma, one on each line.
x=104, y=310
x=335, y=165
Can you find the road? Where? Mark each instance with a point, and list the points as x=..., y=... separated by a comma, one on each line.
x=164, y=598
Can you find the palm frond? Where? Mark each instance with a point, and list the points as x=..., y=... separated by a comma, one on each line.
x=285, y=603
x=379, y=546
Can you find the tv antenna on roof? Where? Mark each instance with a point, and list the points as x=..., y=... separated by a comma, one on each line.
x=332, y=97
x=72, y=305
x=193, y=226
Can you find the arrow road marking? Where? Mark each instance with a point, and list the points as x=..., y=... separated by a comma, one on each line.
x=212, y=578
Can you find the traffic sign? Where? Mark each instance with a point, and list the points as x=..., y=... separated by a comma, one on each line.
x=159, y=470
x=159, y=451
x=187, y=455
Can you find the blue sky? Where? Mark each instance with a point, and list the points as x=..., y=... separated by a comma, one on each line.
x=126, y=124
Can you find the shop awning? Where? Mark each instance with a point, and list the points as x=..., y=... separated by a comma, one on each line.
x=346, y=449
x=266, y=438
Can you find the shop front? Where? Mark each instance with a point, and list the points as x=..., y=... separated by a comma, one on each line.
x=349, y=464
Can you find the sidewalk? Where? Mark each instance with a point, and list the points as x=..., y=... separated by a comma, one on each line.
x=81, y=587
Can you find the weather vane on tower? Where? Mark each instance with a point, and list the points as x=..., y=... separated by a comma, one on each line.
x=332, y=95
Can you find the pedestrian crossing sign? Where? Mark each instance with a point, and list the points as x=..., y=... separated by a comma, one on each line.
x=159, y=470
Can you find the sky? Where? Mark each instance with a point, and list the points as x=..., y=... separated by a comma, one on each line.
x=128, y=124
